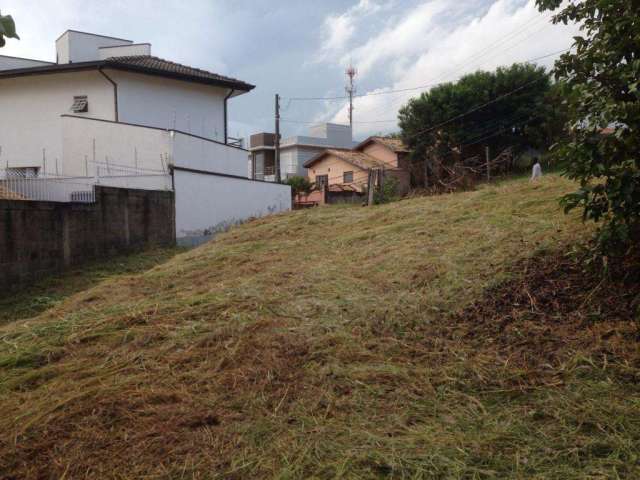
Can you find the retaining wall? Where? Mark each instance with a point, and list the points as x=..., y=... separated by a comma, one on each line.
x=38, y=238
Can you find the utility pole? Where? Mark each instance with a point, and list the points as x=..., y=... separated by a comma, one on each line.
x=351, y=90
x=277, y=139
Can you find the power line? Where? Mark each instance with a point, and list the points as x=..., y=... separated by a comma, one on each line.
x=476, y=55
x=474, y=109
x=415, y=88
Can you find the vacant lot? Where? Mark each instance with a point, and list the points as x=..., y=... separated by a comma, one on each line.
x=446, y=337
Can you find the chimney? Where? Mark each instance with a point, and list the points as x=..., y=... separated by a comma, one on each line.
x=74, y=47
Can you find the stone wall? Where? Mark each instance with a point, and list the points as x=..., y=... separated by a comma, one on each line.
x=38, y=238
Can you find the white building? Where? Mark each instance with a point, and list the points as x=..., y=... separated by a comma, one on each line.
x=295, y=151
x=108, y=104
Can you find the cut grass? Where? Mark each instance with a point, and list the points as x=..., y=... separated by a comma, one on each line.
x=338, y=342
x=39, y=296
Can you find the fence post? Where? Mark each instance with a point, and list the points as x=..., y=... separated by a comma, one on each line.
x=370, y=187
x=486, y=150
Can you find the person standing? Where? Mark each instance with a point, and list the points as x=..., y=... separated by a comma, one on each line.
x=536, y=171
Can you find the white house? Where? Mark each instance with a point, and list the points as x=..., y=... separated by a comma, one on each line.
x=108, y=105
x=296, y=150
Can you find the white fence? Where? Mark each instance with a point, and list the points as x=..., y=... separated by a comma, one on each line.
x=26, y=184
x=17, y=185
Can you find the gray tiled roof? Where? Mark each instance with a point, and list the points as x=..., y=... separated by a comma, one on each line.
x=150, y=63
x=145, y=64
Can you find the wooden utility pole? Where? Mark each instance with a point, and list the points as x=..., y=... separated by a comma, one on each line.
x=371, y=185
x=486, y=151
x=277, y=140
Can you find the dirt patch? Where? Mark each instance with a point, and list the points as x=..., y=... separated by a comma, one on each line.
x=556, y=308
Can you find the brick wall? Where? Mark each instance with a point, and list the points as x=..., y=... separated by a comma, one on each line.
x=43, y=237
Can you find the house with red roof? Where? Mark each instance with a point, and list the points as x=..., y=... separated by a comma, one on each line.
x=348, y=169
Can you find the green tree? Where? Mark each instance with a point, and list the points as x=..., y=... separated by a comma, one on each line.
x=603, y=73
x=7, y=29
x=298, y=185
x=499, y=109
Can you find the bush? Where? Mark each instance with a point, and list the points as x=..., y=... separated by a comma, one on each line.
x=388, y=192
x=601, y=152
x=298, y=185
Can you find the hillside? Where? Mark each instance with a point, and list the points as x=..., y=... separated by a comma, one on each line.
x=442, y=337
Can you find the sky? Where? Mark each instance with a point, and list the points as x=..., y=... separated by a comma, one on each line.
x=301, y=49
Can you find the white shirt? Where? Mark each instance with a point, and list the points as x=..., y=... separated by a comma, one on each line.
x=536, y=172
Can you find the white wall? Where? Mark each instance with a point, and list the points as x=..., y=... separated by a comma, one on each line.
x=10, y=63
x=74, y=47
x=171, y=104
x=124, y=50
x=31, y=107
x=141, y=182
x=206, y=204
x=139, y=147
x=115, y=144
x=192, y=152
x=292, y=159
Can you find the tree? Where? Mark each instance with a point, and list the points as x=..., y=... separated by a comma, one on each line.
x=298, y=185
x=603, y=72
x=508, y=110
x=497, y=109
x=7, y=29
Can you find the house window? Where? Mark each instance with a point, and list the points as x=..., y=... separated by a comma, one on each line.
x=80, y=104
x=347, y=177
x=322, y=180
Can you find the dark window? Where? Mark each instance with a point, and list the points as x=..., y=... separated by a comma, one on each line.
x=322, y=180
x=347, y=177
x=80, y=104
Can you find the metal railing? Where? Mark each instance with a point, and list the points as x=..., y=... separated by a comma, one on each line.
x=30, y=184
x=16, y=184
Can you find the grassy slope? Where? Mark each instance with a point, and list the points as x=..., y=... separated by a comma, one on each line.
x=50, y=291
x=324, y=344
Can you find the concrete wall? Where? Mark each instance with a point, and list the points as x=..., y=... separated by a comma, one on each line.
x=202, y=154
x=207, y=204
x=31, y=108
x=150, y=149
x=292, y=159
x=337, y=135
x=170, y=104
x=124, y=50
x=44, y=237
x=74, y=47
x=119, y=144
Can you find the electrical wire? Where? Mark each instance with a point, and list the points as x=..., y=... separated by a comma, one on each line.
x=475, y=56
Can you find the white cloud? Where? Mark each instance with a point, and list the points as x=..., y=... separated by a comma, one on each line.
x=422, y=49
x=338, y=29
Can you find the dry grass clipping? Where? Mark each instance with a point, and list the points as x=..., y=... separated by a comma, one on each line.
x=411, y=340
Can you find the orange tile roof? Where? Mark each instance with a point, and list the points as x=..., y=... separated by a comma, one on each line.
x=394, y=144
x=354, y=157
